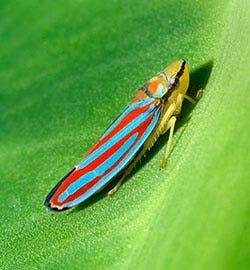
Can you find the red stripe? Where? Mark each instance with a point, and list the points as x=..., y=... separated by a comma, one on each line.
x=95, y=163
x=125, y=121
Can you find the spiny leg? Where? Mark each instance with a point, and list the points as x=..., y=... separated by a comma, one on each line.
x=170, y=125
x=119, y=183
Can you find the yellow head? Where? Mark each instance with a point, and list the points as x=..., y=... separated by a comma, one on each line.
x=172, y=81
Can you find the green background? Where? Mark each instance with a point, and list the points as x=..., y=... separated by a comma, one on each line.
x=67, y=68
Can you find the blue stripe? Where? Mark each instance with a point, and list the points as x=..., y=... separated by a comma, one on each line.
x=99, y=170
x=85, y=162
x=100, y=184
x=125, y=112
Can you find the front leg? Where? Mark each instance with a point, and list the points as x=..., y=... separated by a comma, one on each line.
x=180, y=98
x=170, y=125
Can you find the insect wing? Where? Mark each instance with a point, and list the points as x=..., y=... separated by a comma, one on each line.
x=112, y=152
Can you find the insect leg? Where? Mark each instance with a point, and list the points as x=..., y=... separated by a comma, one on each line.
x=170, y=125
x=197, y=97
x=119, y=183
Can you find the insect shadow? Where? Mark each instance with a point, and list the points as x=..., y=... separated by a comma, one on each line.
x=198, y=80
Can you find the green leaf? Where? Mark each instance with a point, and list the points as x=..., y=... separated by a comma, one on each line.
x=67, y=69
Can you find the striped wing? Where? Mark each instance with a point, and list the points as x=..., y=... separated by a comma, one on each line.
x=113, y=152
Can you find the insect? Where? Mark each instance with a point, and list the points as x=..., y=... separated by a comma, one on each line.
x=150, y=113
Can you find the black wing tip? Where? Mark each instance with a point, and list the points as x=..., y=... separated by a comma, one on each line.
x=47, y=204
x=52, y=192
